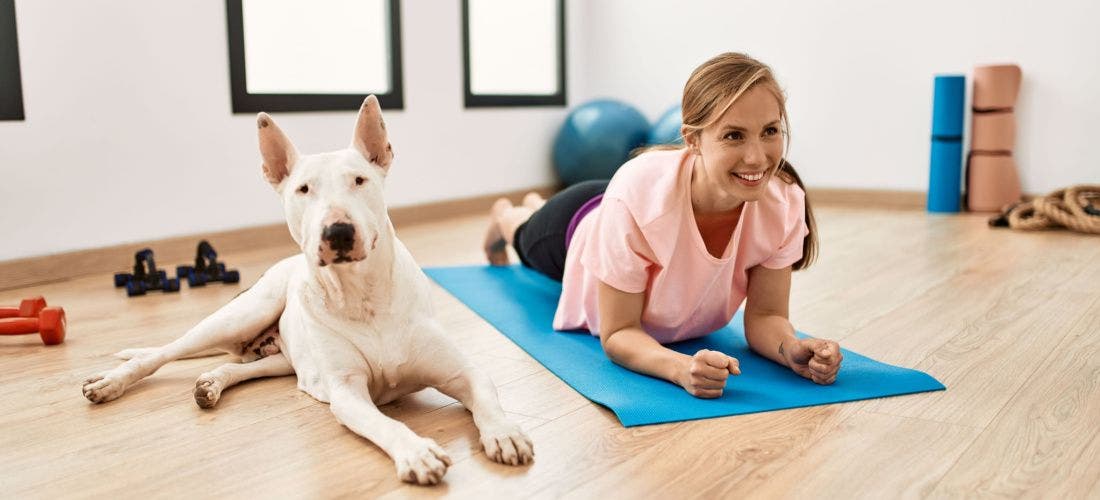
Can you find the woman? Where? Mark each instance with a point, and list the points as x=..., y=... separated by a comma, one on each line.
x=672, y=245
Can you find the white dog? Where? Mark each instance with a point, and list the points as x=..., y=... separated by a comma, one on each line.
x=351, y=315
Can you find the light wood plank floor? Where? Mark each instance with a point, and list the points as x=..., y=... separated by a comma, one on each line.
x=1010, y=322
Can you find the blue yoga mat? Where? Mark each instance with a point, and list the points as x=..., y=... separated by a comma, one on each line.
x=520, y=303
x=945, y=167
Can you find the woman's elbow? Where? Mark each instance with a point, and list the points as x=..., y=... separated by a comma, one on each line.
x=605, y=344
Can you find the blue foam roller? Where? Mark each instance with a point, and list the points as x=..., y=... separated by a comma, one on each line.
x=945, y=176
x=948, y=106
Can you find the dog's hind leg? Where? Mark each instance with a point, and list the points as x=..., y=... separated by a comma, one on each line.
x=235, y=323
x=209, y=386
x=145, y=351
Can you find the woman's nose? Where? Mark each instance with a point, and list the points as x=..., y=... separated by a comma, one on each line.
x=754, y=153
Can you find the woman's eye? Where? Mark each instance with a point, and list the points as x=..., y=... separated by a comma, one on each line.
x=359, y=181
x=303, y=189
x=771, y=131
x=736, y=136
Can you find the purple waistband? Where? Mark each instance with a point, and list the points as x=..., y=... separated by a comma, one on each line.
x=588, y=206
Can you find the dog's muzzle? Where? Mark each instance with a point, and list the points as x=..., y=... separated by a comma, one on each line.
x=340, y=244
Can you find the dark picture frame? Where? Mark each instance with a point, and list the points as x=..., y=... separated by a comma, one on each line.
x=245, y=102
x=473, y=100
x=11, y=80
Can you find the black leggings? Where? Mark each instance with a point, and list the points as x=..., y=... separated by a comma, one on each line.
x=540, y=242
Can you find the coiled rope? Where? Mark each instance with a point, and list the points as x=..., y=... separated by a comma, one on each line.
x=1076, y=208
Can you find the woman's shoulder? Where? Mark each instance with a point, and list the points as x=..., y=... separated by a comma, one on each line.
x=650, y=183
x=784, y=200
x=784, y=190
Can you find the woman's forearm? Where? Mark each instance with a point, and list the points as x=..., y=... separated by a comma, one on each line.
x=766, y=334
x=634, y=349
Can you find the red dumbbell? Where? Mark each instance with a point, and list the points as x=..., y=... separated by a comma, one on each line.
x=49, y=324
x=28, y=308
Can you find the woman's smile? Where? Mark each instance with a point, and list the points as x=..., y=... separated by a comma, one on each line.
x=750, y=179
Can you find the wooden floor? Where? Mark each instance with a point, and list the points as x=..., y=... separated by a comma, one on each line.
x=1010, y=322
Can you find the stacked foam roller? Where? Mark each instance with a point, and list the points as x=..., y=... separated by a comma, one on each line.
x=992, y=181
x=945, y=172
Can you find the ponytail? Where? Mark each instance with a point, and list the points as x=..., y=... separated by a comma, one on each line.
x=809, y=243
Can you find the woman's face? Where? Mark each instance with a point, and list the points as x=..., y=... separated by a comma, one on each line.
x=738, y=154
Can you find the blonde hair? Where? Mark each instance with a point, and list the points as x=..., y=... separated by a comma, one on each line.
x=710, y=91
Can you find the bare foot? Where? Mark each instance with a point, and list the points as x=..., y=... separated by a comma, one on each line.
x=533, y=200
x=496, y=249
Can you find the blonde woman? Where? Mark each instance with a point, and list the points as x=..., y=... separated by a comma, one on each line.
x=680, y=237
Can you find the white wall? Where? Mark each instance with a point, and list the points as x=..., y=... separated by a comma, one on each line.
x=129, y=136
x=858, y=74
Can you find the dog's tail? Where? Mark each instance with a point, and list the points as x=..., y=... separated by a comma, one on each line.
x=140, y=351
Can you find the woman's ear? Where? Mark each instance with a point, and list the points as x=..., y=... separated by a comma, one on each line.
x=691, y=139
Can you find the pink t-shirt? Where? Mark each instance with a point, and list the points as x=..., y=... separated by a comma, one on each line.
x=643, y=238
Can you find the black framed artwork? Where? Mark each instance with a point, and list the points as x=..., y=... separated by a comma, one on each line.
x=288, y=55
x=513, y=52
x=11, y=83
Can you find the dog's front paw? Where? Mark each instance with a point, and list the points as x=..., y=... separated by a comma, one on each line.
x=422, y=462
x=103, y=387
x=507, y=444
x=207, y=391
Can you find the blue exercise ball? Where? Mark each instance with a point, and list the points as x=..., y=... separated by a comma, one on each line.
x=667, y=128
x=596, y=138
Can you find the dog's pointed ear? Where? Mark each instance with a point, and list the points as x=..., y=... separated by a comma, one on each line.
x=278, y=152
x=371, y=139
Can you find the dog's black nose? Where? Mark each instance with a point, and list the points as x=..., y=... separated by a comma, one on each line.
x=340, y=236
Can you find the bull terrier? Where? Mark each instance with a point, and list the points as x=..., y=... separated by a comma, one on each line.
x=351, y=315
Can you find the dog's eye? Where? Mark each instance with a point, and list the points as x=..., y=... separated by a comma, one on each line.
x=303, y=189
x=359, y=181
